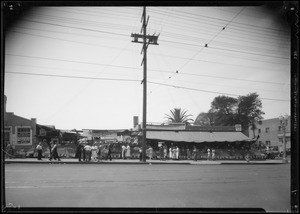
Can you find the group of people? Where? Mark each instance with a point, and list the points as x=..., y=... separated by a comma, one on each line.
x=211, y=154
x=164, y=153
x=126, y=151
x=52, y=148
x=87, y=153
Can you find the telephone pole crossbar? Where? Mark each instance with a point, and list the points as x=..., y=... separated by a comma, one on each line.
x=147, y=40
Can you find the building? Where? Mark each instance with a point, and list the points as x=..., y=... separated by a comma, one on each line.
x=271, y=134
x=24, y=134
x=19, y=132
x=228, y=141
x=105, y=135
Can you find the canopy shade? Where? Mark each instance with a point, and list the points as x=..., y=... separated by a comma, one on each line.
x=197, y=136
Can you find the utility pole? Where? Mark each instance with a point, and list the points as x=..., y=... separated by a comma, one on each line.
x=147, y=40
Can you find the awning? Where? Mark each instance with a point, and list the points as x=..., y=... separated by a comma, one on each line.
x=197, y=137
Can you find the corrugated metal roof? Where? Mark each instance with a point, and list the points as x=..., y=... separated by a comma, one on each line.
x=197, y=137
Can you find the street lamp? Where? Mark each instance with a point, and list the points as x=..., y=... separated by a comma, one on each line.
x=284, y=122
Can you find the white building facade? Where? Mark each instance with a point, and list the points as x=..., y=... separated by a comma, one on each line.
x=270, y=133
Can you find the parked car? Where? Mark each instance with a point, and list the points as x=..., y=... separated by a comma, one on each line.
x=271, y=154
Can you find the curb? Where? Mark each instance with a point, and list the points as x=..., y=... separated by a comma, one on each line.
x=147, y=163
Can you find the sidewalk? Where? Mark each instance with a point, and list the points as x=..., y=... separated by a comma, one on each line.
x=136, y=161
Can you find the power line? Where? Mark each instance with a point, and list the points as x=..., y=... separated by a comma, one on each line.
x=206, y=45
x=92, y=44
x=135, y=80
x=75, y=77
x=156, y=70
x=183, y=36
x=78, y=28
x=214, y=92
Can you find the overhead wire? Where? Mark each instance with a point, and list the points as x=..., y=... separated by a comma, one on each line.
x=129, y=67
x=135, y=80
x=214, y=92
x=210, y=40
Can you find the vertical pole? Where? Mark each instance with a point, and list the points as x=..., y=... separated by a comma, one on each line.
x=145, y=88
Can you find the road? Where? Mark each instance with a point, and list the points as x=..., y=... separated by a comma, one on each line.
x=122, y=185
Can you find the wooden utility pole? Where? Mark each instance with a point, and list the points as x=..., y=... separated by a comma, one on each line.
x=147, y=39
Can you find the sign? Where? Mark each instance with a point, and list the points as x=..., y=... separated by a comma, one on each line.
x=23, y=135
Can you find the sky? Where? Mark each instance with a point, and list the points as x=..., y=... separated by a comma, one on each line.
x=77, y=67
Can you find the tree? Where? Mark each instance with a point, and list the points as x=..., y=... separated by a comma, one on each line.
x=224, y=108
x=249, y=111
x=178, y=116
x=205, y=119
x=244, y=110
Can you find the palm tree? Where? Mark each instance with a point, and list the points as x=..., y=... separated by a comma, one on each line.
x=178, y=116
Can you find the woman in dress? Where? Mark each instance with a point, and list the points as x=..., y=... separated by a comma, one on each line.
x=170, y=153
x=128, y=152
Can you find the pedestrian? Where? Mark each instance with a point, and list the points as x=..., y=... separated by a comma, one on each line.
x=188, y=154
x=94, y=153
x=174, y=153
x=161, y=152
x=165, y=152
x=128, y=152
x=213, y=154
x=78, y=152
x=83, y=153
x=141, y=154
x=170, y=152
x=208, y=154
x=150, y=152
x=39, y=149
x=54, y=153
x=9, y=151
x=99, y=153
x=123, y=151
x=247, y=158
x=177, y=153
x=109, y=152
x=88, y=150
x=195, y=153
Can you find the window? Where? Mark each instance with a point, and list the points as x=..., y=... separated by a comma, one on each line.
x=268, y=143
x=267, y=130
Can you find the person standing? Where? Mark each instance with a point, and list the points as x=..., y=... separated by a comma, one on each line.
x=208, y=154
x=128, y=152
x=150, y=152
x=176, y=153
x=94, y=153
x=83, y=153
x=188, y=154
x=78, y=152
x=170, y=152
x=123, y=151
x=213, y=154
x=109, y=153
x=165, y=152
x=88, y=150
x=195, y=153
x=99, y=153
x=39, y=149
x=141, y=154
